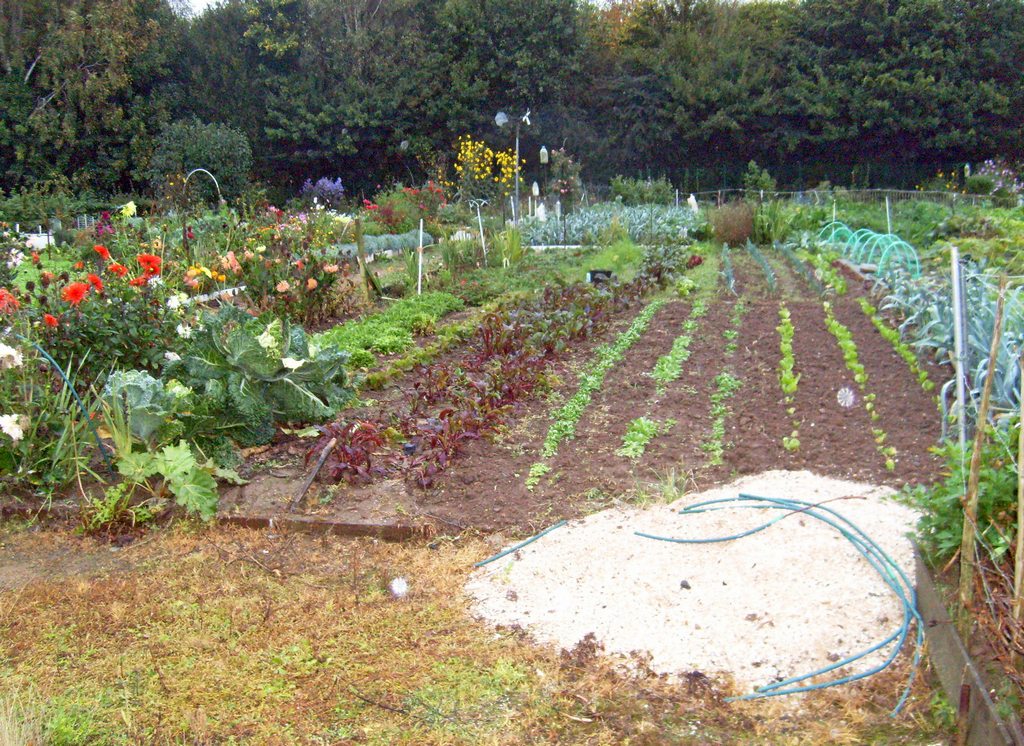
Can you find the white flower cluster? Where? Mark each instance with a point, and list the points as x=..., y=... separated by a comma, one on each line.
x=14, y=259
x=13, y=425
x=10, y=357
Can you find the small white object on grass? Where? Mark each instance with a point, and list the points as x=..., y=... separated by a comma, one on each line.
x=399, y=587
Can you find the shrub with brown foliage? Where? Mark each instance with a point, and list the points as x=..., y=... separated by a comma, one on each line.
x=733, y=223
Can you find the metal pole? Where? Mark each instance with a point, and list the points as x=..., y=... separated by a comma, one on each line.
x=888, y=216
x=419, y=261
x=958, y=350
x=480, y=222
x=515, y=207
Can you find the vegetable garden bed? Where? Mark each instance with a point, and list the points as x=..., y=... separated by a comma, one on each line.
x=487, y=486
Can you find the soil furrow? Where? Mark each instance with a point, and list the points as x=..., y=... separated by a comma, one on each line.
x=687, y=401
x=908, y=414
x=759, y=420
x=834, y=440
x=486, y=486
x=791, y=285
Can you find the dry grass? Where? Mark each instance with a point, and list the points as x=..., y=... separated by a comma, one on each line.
x=235, y=636
x=18, y=727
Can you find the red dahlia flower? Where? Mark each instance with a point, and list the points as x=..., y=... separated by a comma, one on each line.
x=50, y=320
x=8, y=303
x=103, y=252
x=96, y=282
x=150, y=263
x=118, y=269
x=75, y=293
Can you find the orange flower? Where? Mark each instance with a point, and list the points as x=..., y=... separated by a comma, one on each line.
x=96, y=282
x=283, y=286
x=50, y=320
x=8, y=303
x=311, y=283
x=139, y=281
x=75, y=293
x=35, y=257
x=230, y=261
x=330, y=268
x=79, y=265
x=300, y=264
x=118, y=269
x=103, y=251
x=150, y=263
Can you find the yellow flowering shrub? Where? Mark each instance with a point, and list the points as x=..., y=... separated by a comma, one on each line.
x=481, y=172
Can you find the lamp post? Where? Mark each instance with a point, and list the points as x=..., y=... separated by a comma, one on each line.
x=501, y=119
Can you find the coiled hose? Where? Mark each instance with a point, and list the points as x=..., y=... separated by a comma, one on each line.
x=882, y=563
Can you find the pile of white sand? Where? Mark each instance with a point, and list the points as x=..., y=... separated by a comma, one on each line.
x=781, y=602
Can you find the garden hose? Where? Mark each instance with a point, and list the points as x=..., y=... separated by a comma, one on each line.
x=882, y=563
x=520, y=545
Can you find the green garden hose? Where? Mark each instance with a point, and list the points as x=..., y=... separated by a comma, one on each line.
x=882, y=563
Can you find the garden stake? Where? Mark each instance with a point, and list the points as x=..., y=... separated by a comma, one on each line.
x=419, y=263
x=1018, y=555
x=316, y=470
x=959, y=362
x=968, y=558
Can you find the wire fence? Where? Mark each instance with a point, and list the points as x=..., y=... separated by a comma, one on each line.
x=601, y=192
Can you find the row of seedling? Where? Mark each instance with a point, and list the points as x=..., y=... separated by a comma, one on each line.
x=568, y=415
x=892, y=336
x=800, y=267
x=666, y=369
x=726, y=385
x=640, y=432
x=851, y=357
x=823, y=269
x=789, y=379
x=669, y=367
x=766, y=267
x=727, y=271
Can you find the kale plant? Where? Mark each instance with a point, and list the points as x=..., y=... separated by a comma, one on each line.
x=256, y=371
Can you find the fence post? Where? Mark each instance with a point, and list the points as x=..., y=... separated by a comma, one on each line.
x=968, y=548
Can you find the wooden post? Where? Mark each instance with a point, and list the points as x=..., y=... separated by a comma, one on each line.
x=968, y=560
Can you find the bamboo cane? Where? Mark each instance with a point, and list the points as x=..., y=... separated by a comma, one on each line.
x=1018, y=555
x=967, y=545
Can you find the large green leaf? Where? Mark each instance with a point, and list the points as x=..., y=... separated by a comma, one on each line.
x=137, y=467
x=196, y=491
x=176, y=462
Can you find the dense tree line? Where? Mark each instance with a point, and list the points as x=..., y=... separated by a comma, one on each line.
x=373, y=90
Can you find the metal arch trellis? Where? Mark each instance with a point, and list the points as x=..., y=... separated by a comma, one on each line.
x=887, y=251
